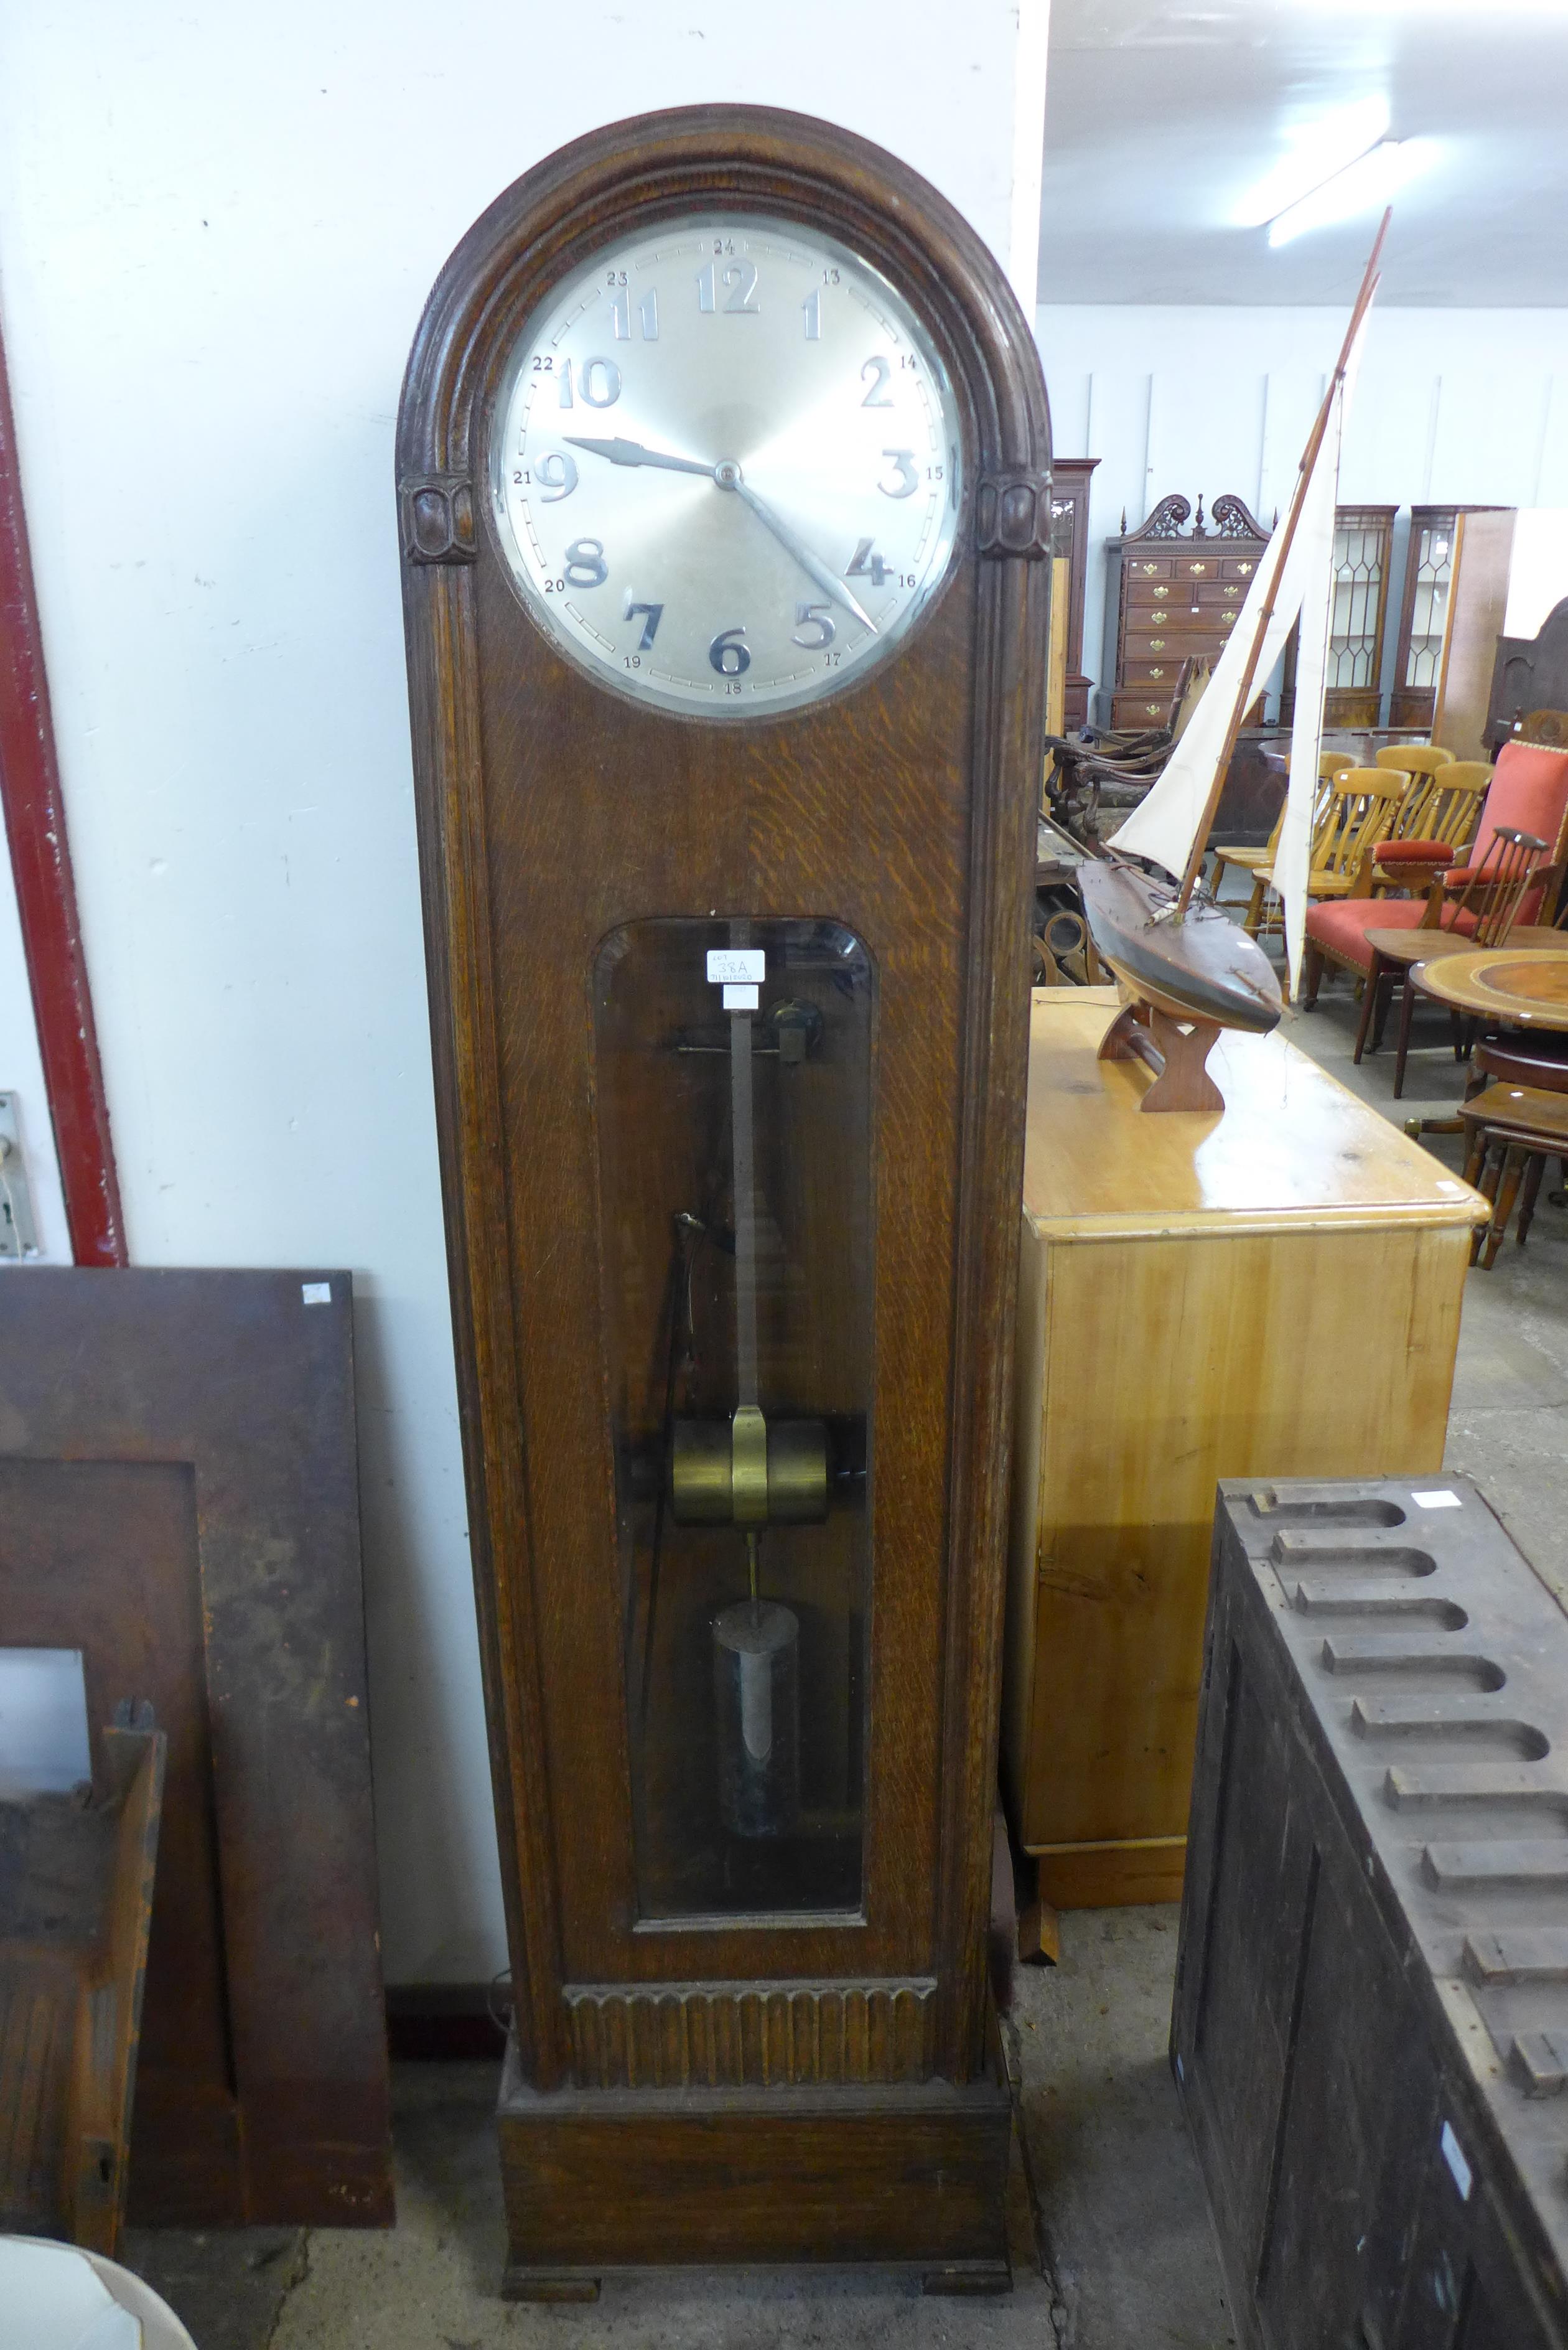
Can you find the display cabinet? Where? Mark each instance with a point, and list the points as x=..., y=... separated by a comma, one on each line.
x=724, y=471
x=1070, y=487
x=1353, y=692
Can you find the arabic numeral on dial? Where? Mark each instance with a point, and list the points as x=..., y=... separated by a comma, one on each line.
x=650, y=614
x=599, y=383
x=728, y=655
x=557, y=475
x=585, y=565
x=620, y=315
x=812, y=306
x=879, y=371
x=907, y=481
x=868, y=564
x=565, y=380
x=818, y=618
x=739, y=283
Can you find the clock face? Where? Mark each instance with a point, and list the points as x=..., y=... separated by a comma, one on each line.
x=725, y=466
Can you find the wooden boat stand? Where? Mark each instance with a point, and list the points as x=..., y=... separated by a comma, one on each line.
x=1175, y=1050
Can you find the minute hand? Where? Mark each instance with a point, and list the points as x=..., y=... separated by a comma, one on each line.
x=632, y=453
x=812, y=565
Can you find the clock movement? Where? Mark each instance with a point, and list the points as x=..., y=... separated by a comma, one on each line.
x=723, y=477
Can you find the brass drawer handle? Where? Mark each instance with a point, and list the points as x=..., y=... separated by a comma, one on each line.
x=1232, y=591
x=1243, y=568
x=1149, y=569
x=1156, y=644
x=1157, y=672
x=1198, y=567
x=1162, y=591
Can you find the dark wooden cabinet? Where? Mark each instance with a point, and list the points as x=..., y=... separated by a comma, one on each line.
x=1070, y=486
x=1174, y=595
x=746, y=1842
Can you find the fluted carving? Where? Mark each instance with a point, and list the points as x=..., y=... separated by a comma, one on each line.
x=763, y=2035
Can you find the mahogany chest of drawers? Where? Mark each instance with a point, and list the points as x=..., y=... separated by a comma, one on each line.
x=1175, y=595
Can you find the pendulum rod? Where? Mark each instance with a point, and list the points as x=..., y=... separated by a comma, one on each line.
x=748, y=1428
x=743, y=1148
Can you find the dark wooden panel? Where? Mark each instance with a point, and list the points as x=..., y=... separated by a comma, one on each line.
x=1373, y=1977
x=178, y=1500
x=600, y=2180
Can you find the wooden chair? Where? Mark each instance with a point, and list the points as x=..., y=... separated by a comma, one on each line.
x=1436, y=816
x=1413, y=759
x=1505, y=876
x=1512, y=1132
x=1528, y=793
x=1256, y=861
x=1362, y=803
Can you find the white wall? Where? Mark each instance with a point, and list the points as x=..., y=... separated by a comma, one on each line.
x=1469, y=406
x=217, y=227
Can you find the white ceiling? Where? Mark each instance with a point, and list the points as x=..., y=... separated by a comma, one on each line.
x=1161, y=114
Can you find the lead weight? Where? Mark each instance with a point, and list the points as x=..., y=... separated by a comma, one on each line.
x=756, y=1690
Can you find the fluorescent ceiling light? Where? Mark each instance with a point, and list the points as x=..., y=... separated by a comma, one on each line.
x=1363, y=186
x=1315, y=151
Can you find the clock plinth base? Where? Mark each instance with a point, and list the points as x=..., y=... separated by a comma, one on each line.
x=910, y=2175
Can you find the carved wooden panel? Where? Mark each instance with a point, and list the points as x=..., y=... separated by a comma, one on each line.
x=764, y=2035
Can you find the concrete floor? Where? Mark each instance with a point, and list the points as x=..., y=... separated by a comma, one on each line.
x=1110, y=2236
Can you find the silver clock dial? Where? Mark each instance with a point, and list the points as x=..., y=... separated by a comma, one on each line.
x=725, y=466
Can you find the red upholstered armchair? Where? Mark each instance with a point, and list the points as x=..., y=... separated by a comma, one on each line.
x=1529, y=792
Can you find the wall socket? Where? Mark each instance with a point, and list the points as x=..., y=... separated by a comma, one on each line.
x=18, y=1234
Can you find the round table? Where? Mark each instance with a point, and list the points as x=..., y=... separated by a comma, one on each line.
x=1522, y=987
x=1393, y=953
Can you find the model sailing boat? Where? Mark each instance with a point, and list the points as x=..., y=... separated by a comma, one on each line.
x=1185, y=968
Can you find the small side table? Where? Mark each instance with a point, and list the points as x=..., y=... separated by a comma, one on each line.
x=1393, y=953
x=1512, y=1131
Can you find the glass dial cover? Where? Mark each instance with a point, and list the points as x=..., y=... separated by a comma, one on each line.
x=725, y=466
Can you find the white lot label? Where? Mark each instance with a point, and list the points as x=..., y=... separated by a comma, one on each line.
x=740, y=998
x=1441, y=1499
x=315, y=1293
x=726, y=965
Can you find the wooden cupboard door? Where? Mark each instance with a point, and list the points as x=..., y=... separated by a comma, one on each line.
x=1327, y=1352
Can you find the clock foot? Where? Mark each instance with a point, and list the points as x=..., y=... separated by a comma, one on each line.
x=969, y=2277
x=519, y=2283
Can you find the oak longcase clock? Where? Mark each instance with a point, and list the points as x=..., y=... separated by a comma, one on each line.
x=723, y=474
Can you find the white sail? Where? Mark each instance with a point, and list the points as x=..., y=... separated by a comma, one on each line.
x=1165, y=822
x=1163, y=826
x=1315, y=536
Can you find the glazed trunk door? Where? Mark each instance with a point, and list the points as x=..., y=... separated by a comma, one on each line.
x=732, y=1206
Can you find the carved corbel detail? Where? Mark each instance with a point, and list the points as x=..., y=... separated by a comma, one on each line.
x=1013, y=516
x=436, y=511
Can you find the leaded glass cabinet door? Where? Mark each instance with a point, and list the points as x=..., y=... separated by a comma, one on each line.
x=723, y=475
x=1353, y=693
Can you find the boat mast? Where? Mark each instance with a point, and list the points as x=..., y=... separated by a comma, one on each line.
x=1286, y=536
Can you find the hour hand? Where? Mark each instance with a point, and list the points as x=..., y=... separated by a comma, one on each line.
x=632, y=453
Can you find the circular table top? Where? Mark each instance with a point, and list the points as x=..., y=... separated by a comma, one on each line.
x=1528, y=988
x=1423, y=946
